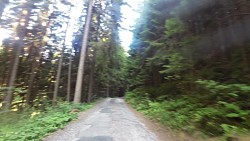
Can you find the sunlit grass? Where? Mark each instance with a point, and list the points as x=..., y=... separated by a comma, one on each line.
x=33, y=114
x=35, y=124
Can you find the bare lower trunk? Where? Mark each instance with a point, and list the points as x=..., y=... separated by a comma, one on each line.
x=91, y=83
x=5, y=74
x=11, y=84
x=59, y=69
x=69, y=78
x=245, y=55
x=221, y=41
x=107, y=91
x=90, y=90
x=78, y=90
x=245, y=58
x=91, y=77
x=31, y=81
x=58, y=75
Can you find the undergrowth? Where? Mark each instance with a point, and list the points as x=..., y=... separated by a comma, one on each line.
x=34, y=125
x=215, y=109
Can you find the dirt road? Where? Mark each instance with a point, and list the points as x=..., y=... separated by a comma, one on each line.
x=110, y=120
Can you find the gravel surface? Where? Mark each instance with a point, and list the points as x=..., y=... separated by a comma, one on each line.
x=111, y=120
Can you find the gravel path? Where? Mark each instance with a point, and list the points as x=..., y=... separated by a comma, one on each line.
x=110, y=120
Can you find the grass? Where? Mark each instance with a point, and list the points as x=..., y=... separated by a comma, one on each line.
x=34, y=125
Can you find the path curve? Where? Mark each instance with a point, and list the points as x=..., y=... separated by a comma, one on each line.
x=111, y=120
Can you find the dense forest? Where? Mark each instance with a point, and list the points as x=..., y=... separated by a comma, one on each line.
x=188, y=66
x=53, y=51
x=189, y=61
x=39, y=62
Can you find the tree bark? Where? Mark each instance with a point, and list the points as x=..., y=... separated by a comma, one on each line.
x=91, y=77
x=78, y=89
x=245, y=25
x=31, y=81
x=107, y=91
x=11, y=84
x=18, y=45
x=58, y=75
x=59, y=69
x=69, y=77
x=35, y=67
x=5, y=70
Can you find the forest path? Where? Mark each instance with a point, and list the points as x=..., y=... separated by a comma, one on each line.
x=111, y=120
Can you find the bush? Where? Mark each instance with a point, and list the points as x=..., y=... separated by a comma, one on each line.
x=214, y=109
x=164, y=111
x=229, y=107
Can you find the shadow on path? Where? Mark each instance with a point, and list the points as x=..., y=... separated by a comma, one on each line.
x=96, y=138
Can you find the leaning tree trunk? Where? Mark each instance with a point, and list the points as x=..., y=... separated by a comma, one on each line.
x=19, y=45
x=78, y=89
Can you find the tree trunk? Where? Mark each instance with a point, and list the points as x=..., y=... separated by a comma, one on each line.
x=91, y=77
x=107, y=91
x=9, y=96
x=69, y=77
x=90, y=89
x=5, y=70
x=18, y=45
x=245, y=27
x=245, y=58
x=58, y=75
x=59, y=69
x=31, y=81
x=78, y=89
x=35, y=67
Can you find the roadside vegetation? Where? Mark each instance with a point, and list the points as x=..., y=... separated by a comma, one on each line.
x=215, y=110
x=189, y=65
x=34, y=125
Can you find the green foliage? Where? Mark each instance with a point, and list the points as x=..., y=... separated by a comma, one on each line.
x=173, y=26
x=230, y=131
x=213, y=118
x=185, y=41
x=231, y=93
x=134, y=97
x=34, y=125
x=17, y=100
x=175, y=66
x=163, y=111
x=17, y=90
